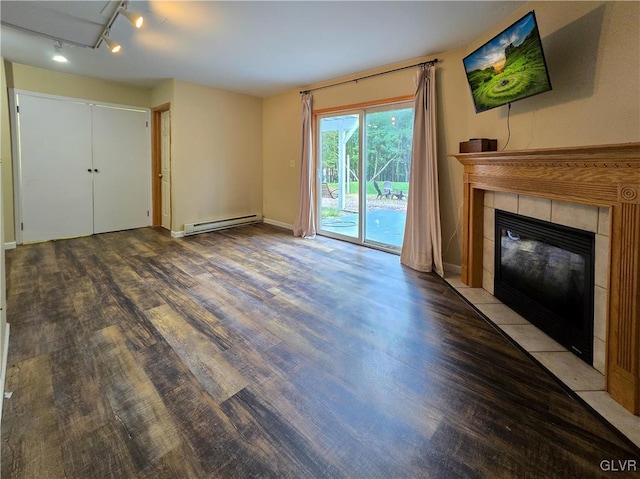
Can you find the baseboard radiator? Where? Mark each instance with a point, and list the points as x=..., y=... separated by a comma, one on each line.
x=204, y=227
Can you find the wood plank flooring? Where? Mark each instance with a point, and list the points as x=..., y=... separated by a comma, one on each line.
x=250, y=353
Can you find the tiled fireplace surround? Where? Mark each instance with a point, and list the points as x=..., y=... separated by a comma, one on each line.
x=542, y=184
x=588, y=218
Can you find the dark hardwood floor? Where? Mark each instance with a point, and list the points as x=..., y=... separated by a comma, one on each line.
x=250, y=353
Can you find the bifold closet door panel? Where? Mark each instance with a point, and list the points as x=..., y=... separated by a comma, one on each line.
x=55, y=166
x=121, y=168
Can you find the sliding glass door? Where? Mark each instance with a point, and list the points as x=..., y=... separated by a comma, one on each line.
x=339, y=175
x=363, y=197
x=388, y=137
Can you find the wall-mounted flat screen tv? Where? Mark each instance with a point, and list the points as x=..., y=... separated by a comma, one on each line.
x=509, y=67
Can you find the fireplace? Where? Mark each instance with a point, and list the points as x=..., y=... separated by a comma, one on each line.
x=601, y=176
x=545, y=272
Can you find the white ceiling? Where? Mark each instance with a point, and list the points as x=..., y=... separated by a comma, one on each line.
x=260, y=48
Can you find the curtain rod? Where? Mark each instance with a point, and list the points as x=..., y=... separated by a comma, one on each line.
x=430, y=62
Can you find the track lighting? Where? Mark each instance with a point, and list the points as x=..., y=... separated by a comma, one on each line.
x=135, y=18
x=114, y=46
x=59, y=57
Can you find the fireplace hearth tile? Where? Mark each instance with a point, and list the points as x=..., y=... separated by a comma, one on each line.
x=571, y=370
x=455, y=281
x=531, y=338
x=478, y=295
x=618, y=416
x=501, y=314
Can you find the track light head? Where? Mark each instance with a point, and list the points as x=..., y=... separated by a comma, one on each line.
x=135, y=18
x=114, y=46
x=58, y=57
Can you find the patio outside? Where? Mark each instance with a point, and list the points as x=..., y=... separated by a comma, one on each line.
x=384, y=220
x=384, y=134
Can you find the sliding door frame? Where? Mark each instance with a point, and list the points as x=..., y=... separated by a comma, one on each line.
x=318, y=172
x=360, y=110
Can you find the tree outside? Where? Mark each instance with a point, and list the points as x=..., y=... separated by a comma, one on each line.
x=388, y=142
x=387, y=139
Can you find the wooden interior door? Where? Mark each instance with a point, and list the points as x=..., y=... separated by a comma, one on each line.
x=165, y=162
x=121, y=169
x=55, y=167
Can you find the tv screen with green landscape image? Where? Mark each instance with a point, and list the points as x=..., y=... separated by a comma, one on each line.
x=509, y=67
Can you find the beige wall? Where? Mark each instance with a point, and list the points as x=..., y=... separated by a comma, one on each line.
x=65, y=84
x=163, y=93
x=281, y=146
x=593, y=54
x=216, y=139
x=5, y=150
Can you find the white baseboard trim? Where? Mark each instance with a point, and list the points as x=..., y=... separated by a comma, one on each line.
x=177, y=234
x=10, y=245
x=280, y=224
x=3, y=372
x=452, y=268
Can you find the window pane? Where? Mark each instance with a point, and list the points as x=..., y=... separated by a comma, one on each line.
x=388, y=139
x=339, y=175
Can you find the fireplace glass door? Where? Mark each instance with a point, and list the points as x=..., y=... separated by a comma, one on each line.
x=545, y=272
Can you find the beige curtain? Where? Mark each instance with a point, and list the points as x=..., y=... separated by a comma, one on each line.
x=305, y=224
x=422, y=244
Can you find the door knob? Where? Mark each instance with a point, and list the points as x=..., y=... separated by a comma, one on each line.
x=96, y=170
x=159, y=175
x=89, y=170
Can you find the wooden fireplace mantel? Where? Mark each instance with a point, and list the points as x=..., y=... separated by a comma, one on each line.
x=604, y=176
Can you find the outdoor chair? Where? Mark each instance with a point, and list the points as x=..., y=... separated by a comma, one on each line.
x=387, y=189
x=328, y=193
x=399, y=194
x=375, y=185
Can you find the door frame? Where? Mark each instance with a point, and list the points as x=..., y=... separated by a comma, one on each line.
x=358, y=239
x=356, y=108
x=15, y=144
x=156, y=165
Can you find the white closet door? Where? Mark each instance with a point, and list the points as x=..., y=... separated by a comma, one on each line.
x=121, y=166
x=55, y=156
x=3, y=292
